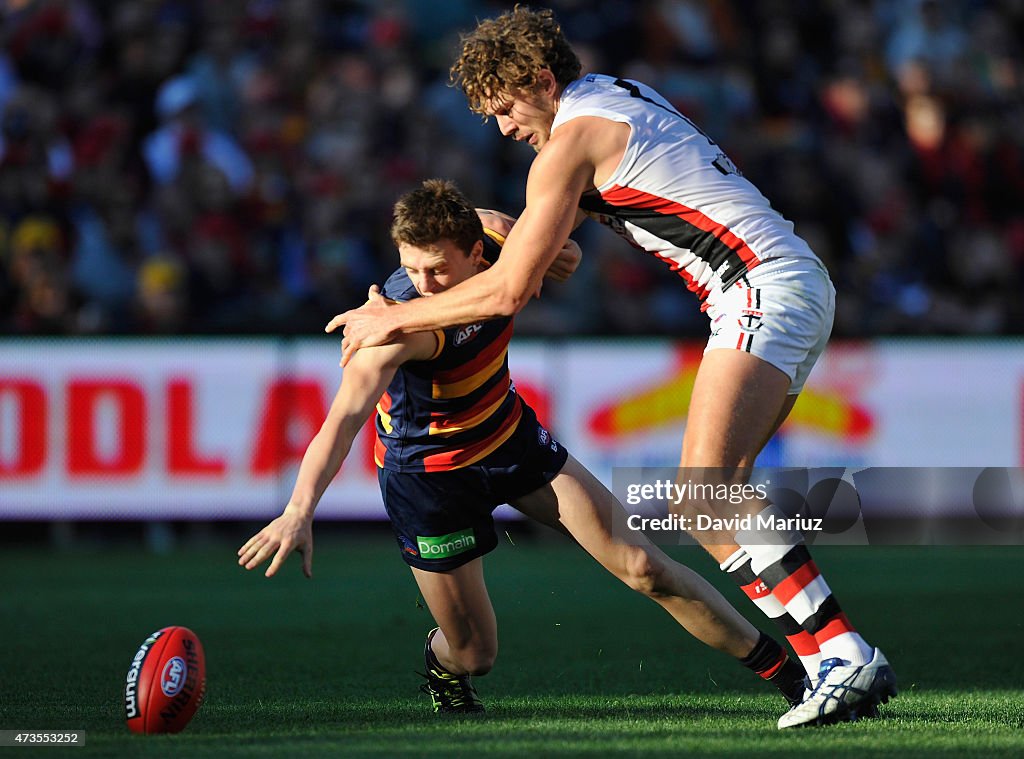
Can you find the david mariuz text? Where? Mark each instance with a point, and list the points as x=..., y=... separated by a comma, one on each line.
x=705, y=522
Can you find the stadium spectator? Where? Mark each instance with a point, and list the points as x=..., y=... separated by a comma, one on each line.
x=184, y=136
x=884, y=130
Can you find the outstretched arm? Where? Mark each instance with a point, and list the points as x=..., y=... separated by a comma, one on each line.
x=362, y=384
x=558, y=177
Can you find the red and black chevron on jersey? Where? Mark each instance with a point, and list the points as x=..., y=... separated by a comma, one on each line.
x=454, y=409
x=675, y=194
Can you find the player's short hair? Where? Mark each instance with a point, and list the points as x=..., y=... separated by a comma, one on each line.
x=503, y=56
x=436, y=210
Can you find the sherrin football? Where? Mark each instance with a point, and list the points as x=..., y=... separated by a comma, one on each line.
x=166, y=682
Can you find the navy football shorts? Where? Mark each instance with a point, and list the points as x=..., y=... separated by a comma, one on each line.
x=443, y=520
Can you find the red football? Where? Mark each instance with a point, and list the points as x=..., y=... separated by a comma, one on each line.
x=166, y=682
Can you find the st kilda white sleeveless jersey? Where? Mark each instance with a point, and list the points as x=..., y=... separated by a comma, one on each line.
x=675, y=194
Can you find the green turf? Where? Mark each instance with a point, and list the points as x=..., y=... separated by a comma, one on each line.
x=325, y=667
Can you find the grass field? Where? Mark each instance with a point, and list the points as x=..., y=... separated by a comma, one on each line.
x=326, y=667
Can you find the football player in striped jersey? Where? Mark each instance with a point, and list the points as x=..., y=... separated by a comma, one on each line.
x=454, y=441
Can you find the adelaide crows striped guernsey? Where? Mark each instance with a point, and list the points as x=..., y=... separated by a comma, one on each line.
x=457, y=407
x=675, y=194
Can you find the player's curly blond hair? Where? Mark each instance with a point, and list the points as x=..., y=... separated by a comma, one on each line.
x=504, y=55
x=434, y=211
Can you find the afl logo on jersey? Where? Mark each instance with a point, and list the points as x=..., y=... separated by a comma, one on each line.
x=467, y=333
x=544, y=438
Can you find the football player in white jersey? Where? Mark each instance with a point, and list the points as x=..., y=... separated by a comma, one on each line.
x=615, y=150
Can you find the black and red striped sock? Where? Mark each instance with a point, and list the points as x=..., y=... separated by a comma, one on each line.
x=770, y=661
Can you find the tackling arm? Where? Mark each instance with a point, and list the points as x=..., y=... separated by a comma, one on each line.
x=558, y=177
x=566, y=261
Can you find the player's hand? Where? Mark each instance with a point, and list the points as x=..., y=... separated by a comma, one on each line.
x=565, y=263
x=289, y=532
x=366, y=326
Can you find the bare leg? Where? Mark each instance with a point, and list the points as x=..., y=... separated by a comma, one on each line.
x=576, y=502
x=738, y=403
x=467, y=643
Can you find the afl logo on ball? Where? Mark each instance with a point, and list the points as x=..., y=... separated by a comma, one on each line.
x=173, y=677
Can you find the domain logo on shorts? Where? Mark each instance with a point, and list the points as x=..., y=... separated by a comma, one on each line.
x=445, y=546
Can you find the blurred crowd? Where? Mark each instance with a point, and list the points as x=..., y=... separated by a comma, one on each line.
x=177, y=166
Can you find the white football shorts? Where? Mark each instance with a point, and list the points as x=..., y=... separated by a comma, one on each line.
x=781, y=312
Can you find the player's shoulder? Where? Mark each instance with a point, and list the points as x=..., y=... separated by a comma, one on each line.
x=399, y=287
x=578, y=134
x=577, y=151
x=495, y=222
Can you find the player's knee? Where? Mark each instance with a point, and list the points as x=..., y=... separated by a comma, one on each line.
x=643, y=573
x=477, y=658
x=708, y=459
x=689, y=509
x=480, y=661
